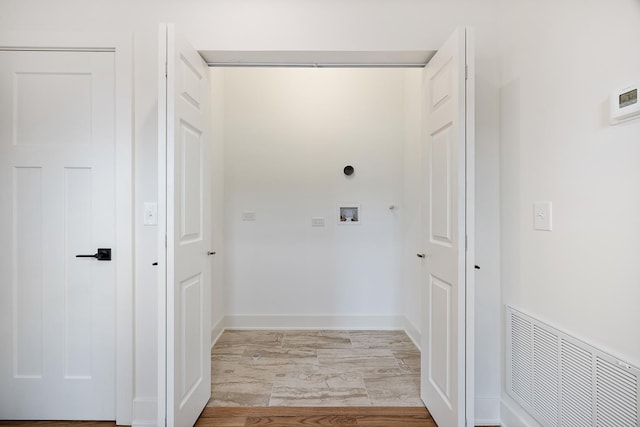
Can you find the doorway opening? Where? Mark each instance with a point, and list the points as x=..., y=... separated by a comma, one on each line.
x=269, y=226
x=286, y=134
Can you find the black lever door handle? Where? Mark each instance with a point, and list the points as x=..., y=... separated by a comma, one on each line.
x=103, y=254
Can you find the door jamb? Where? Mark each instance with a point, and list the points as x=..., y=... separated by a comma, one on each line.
x=163, y=30
x=121, y=43
x=470, y=225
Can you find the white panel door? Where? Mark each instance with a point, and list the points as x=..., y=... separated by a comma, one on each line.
x=57, y=200
x=188, y=234
x=443, y=303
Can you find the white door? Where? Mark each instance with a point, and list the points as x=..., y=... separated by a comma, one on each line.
x=445, y=140
x=188, y=220
x=57, y=200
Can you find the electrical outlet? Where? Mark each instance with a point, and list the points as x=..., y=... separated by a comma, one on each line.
x=317, y=221
x=248, y=216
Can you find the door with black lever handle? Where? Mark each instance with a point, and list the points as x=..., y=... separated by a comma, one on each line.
x=103, y=254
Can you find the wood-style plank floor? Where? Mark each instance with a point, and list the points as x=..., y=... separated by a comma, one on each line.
x=316, y=416
x=284, y=417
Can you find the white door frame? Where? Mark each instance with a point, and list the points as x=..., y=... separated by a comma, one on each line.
x=122, y=46
x=470, y=217
x=162, y=227
x=470, y=228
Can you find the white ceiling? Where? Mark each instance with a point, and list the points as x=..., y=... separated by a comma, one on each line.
x=289, y=58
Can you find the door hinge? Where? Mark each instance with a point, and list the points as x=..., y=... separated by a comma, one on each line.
x=166, y=69
x=466, y=71
x=465, y=242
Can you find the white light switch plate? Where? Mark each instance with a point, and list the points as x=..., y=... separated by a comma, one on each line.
x=542, y=216
x=317, y=221
x=150, y=213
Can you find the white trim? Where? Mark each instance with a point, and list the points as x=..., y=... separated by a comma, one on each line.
x=470, y=224
x=413, y=333
x=326, y=322
x=144, y=412
x=162, y=226
x=487, y=411
x=309, y=65
x=69, y=40
x=513, y=415
x=216, y=331
x=122, y=44
x=55, y=49
x=332, y=322
x=124, y=229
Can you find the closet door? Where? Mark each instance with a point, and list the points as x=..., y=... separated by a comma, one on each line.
x=188, y=233
x=57, y=201
x=448, y=147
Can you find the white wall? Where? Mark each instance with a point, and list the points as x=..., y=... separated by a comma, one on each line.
x=411, y=208
x=288, y=135
x=218, y=310
x=561, y=62
x=487, y=247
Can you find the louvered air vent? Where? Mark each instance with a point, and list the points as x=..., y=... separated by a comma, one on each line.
x=563, y=381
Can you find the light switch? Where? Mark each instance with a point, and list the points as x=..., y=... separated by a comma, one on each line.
x=317, y=221
x=542, y=216
x=150, y=213
x=248, y=216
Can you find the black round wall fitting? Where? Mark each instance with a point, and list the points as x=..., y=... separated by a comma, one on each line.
x=348, y=170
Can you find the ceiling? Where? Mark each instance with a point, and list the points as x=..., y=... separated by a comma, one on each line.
x=291, y=58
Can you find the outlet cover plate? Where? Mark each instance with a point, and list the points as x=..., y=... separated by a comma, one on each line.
x=248, y=216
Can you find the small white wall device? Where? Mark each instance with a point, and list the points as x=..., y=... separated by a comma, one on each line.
x=624, y=104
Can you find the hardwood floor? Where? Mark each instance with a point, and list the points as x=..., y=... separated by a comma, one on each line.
x=284, y=417
x=316, y=416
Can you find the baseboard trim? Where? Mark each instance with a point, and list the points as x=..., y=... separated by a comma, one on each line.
x=216, y=331
x=316, y=322
x=488, y=423
x=412, y=332
x=487, y=411
x=144, y=412
x=512, y=415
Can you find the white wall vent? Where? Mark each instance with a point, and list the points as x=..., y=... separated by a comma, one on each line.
x=563, y=381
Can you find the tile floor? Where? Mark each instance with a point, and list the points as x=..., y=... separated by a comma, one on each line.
x=315, y=368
